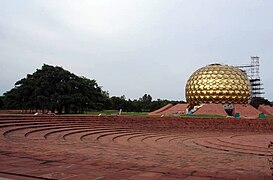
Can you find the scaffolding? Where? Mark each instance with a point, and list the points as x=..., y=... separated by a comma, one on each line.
x=253, y=72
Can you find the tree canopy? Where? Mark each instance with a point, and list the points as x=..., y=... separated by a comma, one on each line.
x=53, y=88
x=1, y=102
x=143, y=104
x=256, y=101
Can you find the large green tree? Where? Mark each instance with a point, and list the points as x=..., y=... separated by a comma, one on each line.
x=53, y=88
x=1, y=102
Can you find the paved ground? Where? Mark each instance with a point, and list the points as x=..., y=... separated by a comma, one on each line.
x=133, y=148
x=267, y=110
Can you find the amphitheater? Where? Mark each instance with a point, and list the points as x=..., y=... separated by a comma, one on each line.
x=162, y=146
x=120, y=147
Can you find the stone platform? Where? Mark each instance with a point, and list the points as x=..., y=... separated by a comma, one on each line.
x=59, y=147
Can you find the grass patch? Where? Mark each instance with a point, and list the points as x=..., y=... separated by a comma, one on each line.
x=134, y=114
x=115, y=113
x=201, y=116
x=110, y=113
x=268, y=117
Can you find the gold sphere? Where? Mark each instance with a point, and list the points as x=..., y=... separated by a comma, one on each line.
x=218, y=83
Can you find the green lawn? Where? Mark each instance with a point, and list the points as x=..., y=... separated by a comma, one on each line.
x=116, y=113
x=269, y=117
x=110, y=113
x=201, y=116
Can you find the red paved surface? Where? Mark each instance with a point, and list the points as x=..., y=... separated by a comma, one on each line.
x=268, y=110
x=134, y=148
x=158, y=111
x=246, y=111
x=176, y=109
x=212, y=109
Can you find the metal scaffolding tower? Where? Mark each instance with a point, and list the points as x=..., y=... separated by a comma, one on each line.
x=254, y=77
x=253, y=73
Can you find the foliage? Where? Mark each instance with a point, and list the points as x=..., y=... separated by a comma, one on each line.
x=1, y=102
x=143, y=104
x=256, y=101
x=53, y=88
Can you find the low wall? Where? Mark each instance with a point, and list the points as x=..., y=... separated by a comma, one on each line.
x=157, y=123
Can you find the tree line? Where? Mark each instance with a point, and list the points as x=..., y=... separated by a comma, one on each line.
x=54, y=89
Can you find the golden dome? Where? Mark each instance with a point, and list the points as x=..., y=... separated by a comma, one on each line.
x=217, y=83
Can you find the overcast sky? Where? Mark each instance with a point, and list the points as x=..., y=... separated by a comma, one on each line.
x=133, y=47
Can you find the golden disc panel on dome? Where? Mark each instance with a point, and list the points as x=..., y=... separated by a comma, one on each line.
x=218, y=83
